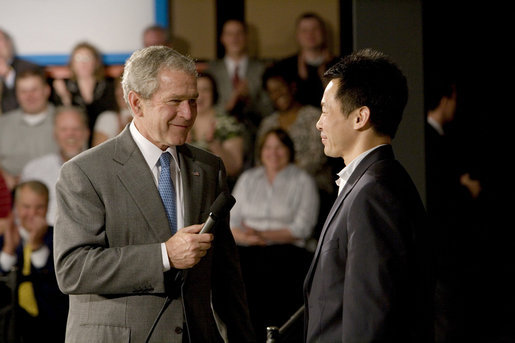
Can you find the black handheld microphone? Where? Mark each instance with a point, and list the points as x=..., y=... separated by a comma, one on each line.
x=221, y=207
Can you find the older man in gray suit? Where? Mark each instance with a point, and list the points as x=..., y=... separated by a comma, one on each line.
x=116, y=250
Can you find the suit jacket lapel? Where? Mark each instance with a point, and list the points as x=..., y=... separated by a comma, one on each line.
x=193, y=184
x=380, y=153
x=139, y=183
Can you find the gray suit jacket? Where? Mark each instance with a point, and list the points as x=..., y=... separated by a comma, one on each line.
x=259, y=105
x=109, y=228
x=371, y=278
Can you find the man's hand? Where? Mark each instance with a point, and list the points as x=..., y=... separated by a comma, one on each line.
x=37, y=227
x=187, y=247
x=11, y=235
x=4, y=68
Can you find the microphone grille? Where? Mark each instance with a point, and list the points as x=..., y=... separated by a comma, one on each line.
x=223, y=204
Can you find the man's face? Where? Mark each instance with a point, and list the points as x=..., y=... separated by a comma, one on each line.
x=336, y=129
x=30, y=205
x=71, y=134
x=310, y=34
x=234, y=38
x=32, y=94
x=166, y=118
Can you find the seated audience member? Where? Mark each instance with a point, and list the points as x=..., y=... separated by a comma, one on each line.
x=5, y=200
x=313, y=58
x=26, y=132
x=88, y=86
x=111, y=123
x=156, y=35
x=216, y=131
x=27, y=245
x=10, y=67
x=71, y=134
x=238, y=77
x=276, y=210
x=299, y=121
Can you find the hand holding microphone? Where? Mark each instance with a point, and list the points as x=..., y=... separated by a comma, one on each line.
x=186, y=247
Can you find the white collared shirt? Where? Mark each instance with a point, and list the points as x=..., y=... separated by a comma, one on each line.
x=436, y=125
x=34, y=119
x=151, y=154
x=347, y=171
x=38, y=257
x=231, y=64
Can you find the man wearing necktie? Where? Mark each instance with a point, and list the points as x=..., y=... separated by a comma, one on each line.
x=129, y=214
x=26, y=249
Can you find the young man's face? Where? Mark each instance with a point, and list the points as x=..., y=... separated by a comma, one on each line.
x=336, y=128
x=234, y=37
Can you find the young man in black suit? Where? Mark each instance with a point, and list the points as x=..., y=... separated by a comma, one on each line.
x=371, y=276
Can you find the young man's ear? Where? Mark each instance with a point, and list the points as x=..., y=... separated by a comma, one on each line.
x=136, y=103
x=362, y=118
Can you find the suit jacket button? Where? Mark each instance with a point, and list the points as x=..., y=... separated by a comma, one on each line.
x=178, y=330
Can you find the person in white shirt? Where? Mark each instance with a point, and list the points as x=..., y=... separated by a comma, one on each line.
x=275, y=213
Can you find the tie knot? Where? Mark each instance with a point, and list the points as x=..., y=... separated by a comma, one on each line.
x=164, y=159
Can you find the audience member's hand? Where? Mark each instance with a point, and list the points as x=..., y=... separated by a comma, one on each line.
x=61, y=90
x=4, y=223
x=187, y=247
x=473, y=186
x=248, y=236
x=10, y=180
x=37, y=227
x=4, y=68
x=239, y=94
x=11, y=235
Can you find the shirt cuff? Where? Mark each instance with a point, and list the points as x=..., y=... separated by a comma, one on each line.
x=7, y=261
x=166, y=261
x=39, y=257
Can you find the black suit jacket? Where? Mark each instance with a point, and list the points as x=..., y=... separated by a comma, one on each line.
x=371, y=276
x=52, y=304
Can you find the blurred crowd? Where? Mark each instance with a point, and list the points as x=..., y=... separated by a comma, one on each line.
x=258, y=116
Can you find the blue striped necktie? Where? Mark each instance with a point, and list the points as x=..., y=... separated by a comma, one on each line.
x=167, y=191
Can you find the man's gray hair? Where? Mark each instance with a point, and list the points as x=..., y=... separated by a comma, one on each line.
x=142, y=68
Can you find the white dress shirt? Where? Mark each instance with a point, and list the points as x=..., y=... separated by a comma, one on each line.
x=231, y=64
x=151, y=154
x=38, y=257
x=347, y=171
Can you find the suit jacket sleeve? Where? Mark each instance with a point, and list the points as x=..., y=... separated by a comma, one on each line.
x=85, y=260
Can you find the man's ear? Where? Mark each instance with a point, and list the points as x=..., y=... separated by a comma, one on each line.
x=362, y=118
x=136, y=103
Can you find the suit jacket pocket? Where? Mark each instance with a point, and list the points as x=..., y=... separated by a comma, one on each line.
x=102, y=334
